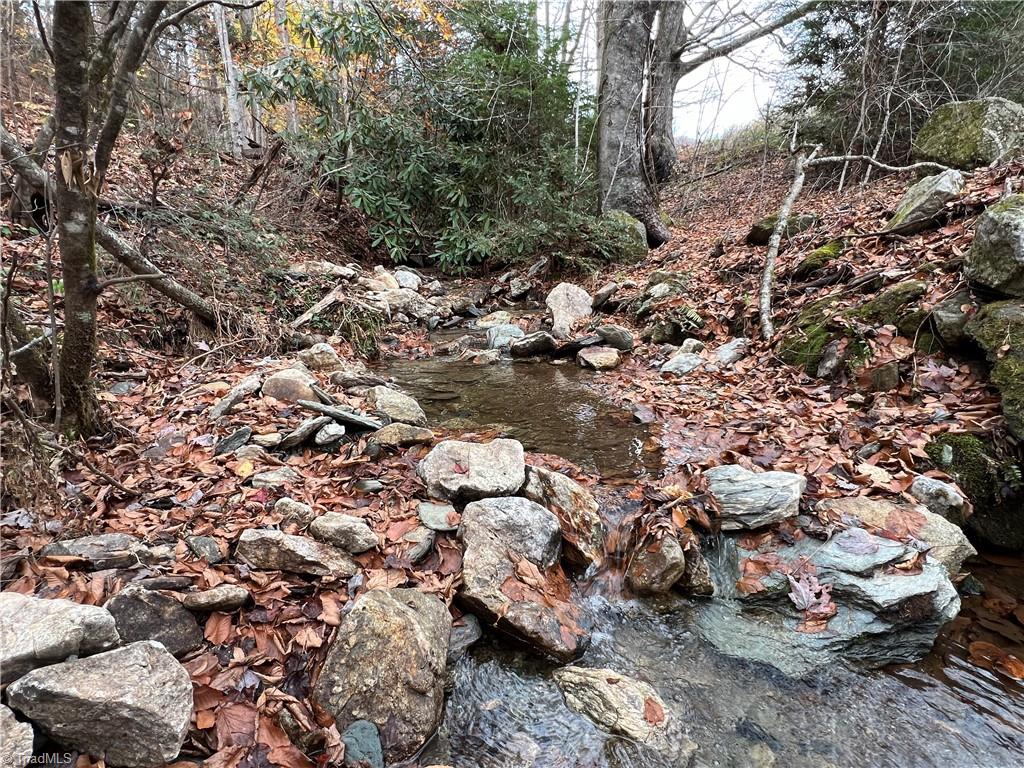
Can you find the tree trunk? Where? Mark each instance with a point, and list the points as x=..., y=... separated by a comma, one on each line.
x=28, y=207
x=235, y=118
x=31, y=365
x=666, y=70
x=281, y=22
x=76, y=211
x=624, y=55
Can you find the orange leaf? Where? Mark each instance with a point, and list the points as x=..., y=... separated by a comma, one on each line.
x=653, y=711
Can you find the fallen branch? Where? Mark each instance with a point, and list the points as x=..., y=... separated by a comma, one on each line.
x=103, y=285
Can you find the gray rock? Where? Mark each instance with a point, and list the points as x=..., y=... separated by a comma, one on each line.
x=576, y=510
x=396, y=406
x=459, y=470
x=519, y=287
x=942, y=499
x=369, y=485
x=276, y=478
x=101, y=551
x=437, y=517
x=407, y=279
x=996, y=257
x=223, y=597
x=142, y=614
x=751, y=500
x=534, y=344
x=832, y=359
x=36, y=632
x=697, y=579
x=357, y=421
x=15, y=740
x=568, y=304
x=502, y=336
x=656, y=567
x=362, y=744
x=598, y=358
x=970, y=134
x=269, y=440
x=465, y=632
x=290, y=385
x=501, y=317
x=422, y=540
x=925, y=200
x=399, y=435
x=404, y=300
x=238, y=393
x=616, y=336
x=306, y=429
x=251, y=452
x=393, y=640
x=235, y=440
x=498, y=534
x=682, y=363
x=329, y=433
x=616, y=703
x=346, y=532
x=692, y=346
x=486, y=357
x=950, y=318
x=276, y=551
x=321, y=357
x=205, y=548
x=129, y=706
x=292, y=511
x=733, y=351
x=603, y=294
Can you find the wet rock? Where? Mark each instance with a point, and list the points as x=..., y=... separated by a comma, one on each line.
x=507, y=536
x=691, y=346
x=682, y=363
x=733, y=351
x=101, y=551
x=36, y=632
x=362, y=744
x=238, y=393
x=346, y=532
x=407, y=279
x=568, y=304
x=466, y=631
x=599, y=358
x=616, y=336
x=761, y=232
x=656, y=567
x=950, y=318
x=942, y=499
x=235, y=440
x=15, y=740
x=321, y=357
x=576, y=509
x=130, y=706
x=276, y=478
x=486, y=357
x=272, y=550
x=437, y=516
x=970, y=134
x=616, y=703
x=329, y=433
x=573, y=347
x=294, y=512
x=290, y=386
x=205, y=548
x=306, y=429
x=455, y=469
x=925, y=201
x=422, y=540
x=501, y=317
x=223, y=597
x=142, y=614
x=393, y=640
x=945, y=542
x=502, y=336
x=751, y=500
x=396, y=406
x=401, y=435
x=532, y=345
x=696, y=578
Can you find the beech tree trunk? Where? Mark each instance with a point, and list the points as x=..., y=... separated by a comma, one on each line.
x=234, y=105
x=281, y=22
x=665, y=73
x=624, y=53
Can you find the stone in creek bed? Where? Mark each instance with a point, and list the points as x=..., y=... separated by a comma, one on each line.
x=362, y=746
x=616, y=336
x=272, y=550
x=598, y=358
x=576, y=509
x=396, y=406
x=236, y=439
x=346, y=532
x=438, y=517
x=615, y=703
x=290, y=386
x=539, y=343
x=223, y=597
x=399, y=435
x=682, y=363
x=205, y=548
x=143, y=614
x=502, y=336
x=568, y=304
x=102, y=551
x=656, y=567
x=465, y=632
x=754, y=499
x=456, y=469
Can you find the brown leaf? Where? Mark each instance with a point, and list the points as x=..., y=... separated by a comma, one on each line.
x=653, y=711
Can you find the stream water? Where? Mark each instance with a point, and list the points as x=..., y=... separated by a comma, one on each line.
x=505, y=711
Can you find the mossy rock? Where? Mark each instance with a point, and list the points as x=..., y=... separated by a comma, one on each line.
x=970, y=134
x=998, y=517
x=925, y=201
x=888, y=307
x=761, y=232
x=818, y=259
x=630, y=233
x=996, y=258
x=812, y=332
x=999, y=330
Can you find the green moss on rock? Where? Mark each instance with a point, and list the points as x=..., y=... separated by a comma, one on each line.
x=818, y=259
x=888, y=307
x=761, y=232
x=969, y=134
x=996, y=257
x=628, y=233
x=812, y=333
x=999, y=329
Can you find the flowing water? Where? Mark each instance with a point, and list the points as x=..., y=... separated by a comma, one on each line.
x=505, y=711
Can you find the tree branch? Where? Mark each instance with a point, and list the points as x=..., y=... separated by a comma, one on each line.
x=878, y=164
x=104, y=284
x=175, y=18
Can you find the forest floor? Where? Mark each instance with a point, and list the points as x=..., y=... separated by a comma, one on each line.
x=156, y=475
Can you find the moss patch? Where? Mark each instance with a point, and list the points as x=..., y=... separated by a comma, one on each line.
x=953, y=135
x=999, y=329
x=812, y=332
x=762, y=230
x=888, y=307
x=817, y=259
x=966, y=458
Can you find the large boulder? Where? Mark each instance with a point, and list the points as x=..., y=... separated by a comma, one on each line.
x=503, y=336
x=272, y=550
x=130, y=706
x=511, y=576
x=459, y=470
x=576, y=509
x=568, y=304
x=999, y=329
x=386, y=665
x=969, y=134
x=923, y=202
x=616, y=703
x=290, y=385
x=15, y=740
x=754, y=499
x=36, y=632
x=996, y=257
x=655, y=567
x=144, y=614
x=396, y=406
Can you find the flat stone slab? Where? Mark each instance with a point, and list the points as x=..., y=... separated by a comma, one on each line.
x=754, y=499
x=272, y=550
x=456, y=469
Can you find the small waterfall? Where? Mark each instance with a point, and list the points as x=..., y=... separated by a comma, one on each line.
x=723, y=561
